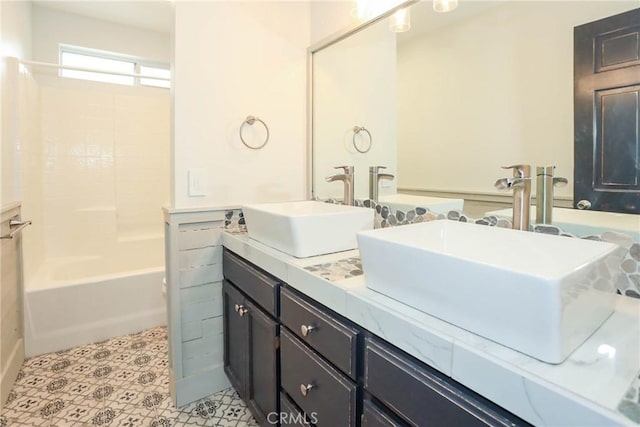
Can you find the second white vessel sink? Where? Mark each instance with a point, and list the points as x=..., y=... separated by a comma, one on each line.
x=539, y=294
x=307, y=228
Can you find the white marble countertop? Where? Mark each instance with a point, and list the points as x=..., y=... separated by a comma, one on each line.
x=585, y=390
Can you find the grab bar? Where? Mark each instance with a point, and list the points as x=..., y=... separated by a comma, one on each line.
x=13, y=223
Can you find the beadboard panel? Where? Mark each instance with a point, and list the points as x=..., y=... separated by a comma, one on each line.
x=195, y=329
x=200, y=275
x=200, y=257
x=200, y=235
x=193, y=240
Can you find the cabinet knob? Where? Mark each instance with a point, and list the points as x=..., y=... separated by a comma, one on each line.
x=306, y=329
x=583, y=204
x=240, y=309
x=304, y=389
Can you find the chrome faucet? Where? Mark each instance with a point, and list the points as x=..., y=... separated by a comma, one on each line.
x=521, y=185
x=544, y=192
x=347, y=178
x=374, y=181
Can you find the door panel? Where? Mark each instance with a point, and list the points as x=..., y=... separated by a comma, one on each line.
x=235, y=336
x=262, y=384
x=607, y=113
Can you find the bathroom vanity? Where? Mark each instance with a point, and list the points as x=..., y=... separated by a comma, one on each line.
x=330, y=369
x=306, y=336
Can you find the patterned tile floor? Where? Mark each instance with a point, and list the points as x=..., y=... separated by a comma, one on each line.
x=120, y=382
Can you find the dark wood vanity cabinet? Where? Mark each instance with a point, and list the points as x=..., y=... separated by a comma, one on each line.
x=251, y=337
x=319, y=355
x=418, y=395
x=297, y=363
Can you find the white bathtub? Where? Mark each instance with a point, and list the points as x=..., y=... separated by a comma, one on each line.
x=73, y=301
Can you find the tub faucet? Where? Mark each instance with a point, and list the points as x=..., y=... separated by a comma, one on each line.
x=544, y=192
x=374, y=181
x=521, y=185
x=347, y=179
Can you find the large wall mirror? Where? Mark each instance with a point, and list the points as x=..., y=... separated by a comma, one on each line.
x=453, y=99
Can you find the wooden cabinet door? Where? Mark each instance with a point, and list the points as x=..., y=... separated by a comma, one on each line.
x=607, y=113
x=262, y=380
x=235, y=338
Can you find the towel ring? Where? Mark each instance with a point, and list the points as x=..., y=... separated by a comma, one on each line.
x=356, y=131
x=250, y=121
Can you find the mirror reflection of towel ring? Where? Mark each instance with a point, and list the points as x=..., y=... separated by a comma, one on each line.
x=356, y=131
x=250, y=121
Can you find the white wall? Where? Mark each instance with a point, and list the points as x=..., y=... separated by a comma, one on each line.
x=231, y=60
x=16, y=42
x=493, y=90
x=52, y=27
x=355, y=85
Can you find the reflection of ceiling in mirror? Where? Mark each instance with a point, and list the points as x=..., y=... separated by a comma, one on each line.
x=424, y=19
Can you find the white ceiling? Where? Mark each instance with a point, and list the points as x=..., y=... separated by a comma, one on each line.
x=152, y=15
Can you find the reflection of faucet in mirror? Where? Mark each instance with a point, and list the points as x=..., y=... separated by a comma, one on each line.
x=521, y=185
x=544, y=192
x=347, y=178
x=374, y=180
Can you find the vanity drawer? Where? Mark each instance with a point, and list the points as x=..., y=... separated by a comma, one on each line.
x=333, y=338
x=258, y=285
x=375, y=416
x=290, y=413
x=331, y=397
x=421, y=396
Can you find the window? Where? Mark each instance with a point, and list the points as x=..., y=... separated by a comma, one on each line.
x=155, y=72
x=114, y=68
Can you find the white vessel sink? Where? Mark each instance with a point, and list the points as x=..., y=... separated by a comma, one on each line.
x=307, y=228
x=539, y=294
x=584, y=223
x=405, y=202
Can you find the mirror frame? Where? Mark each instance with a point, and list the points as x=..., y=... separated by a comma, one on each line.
x=324, y=43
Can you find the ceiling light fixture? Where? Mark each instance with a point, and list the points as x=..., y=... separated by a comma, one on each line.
x=400, y=21
x=444, y=5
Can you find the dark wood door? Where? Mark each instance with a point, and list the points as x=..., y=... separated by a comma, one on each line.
x=235, y=338
x=262, y=382
x=607, y=113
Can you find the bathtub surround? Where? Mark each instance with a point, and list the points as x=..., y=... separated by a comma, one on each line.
x=122, y=381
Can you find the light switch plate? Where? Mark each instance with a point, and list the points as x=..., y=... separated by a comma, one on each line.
x=196, y=182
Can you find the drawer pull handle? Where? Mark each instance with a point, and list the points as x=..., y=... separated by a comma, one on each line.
x=307, y=329
x=240, y=309
x=304, y=389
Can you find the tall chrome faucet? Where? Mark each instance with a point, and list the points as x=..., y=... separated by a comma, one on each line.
x=521, y=185
x=347, y=178
x=374, y=181
x=544, y=192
